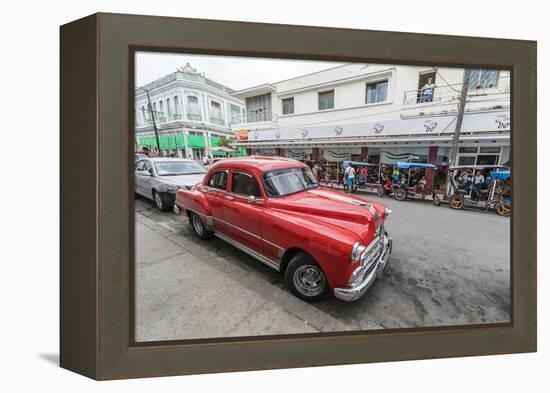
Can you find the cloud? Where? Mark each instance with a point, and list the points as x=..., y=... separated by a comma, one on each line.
x=234, y=72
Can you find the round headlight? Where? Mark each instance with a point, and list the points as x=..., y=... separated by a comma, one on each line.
x=356, y=252
x=387, y=213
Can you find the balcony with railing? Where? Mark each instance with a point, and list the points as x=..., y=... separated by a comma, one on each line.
x=262, y=119
x=217, y=120
x=194, y=116
x=449, y=94
x=160, y=119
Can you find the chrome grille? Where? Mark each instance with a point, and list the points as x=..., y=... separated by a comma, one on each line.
x=372, y=253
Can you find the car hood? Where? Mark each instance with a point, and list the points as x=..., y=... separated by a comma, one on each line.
x=182, y=180
x=353, y=214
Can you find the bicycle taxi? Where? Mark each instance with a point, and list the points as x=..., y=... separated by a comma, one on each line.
x=494, y=193
x=412, y=182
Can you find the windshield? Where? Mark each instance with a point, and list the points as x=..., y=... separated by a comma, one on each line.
x=175, y=168
x=288, y=181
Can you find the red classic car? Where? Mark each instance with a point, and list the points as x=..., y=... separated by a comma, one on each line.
x=273, y=209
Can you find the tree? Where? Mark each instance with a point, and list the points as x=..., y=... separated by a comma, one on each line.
x=224, y=142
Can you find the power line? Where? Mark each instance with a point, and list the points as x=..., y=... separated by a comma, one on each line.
x=444, y=80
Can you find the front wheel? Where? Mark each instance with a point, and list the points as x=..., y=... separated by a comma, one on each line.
x=380, y=192
x=160, y=202
x=456, y=202
x=305, y=278
x=198, y=227
x=504, y=209
x=400, y=194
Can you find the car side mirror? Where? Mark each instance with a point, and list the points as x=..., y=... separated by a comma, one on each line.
x=252, y=199
x=144, y=173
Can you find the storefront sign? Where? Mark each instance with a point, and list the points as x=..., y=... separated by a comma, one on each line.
x=473, y=122
x=241, y=135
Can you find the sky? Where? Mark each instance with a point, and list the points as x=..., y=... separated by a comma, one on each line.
x=235, y=72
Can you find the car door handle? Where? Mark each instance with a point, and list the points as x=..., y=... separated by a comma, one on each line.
x=229, y=197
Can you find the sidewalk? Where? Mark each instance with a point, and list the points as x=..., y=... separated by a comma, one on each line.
x=189, y=289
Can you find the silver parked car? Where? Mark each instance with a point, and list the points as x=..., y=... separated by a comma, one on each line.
x=159, y=178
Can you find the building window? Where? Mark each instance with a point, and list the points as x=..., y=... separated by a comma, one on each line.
x=288, y=106
x=215, y=111
x=489, y=149
x=176, y=105
x=326, y=100
x=485, y=155
x=235, y=114
x=161, y=107
x=144, y=114
x=468, y=150
x=259, y=108
x=426, y=87
x=482, y=79
x=193, y=110
x=377, y=92
x=168, y=109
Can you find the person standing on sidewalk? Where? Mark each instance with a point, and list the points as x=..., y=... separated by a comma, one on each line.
x=350, y=177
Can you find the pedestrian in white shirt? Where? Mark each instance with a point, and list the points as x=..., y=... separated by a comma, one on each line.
x=350, y=176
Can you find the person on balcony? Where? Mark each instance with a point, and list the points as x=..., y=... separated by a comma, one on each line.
x=428, y=91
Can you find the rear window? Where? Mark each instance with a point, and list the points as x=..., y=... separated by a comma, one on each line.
x=218, y=180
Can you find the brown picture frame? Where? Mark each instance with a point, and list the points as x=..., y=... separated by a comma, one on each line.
x=97, y=91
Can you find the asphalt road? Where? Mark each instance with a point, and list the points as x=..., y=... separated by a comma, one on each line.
x=447, y=268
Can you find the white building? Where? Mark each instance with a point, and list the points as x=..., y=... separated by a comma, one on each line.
x=379, y=113
x=192, y=113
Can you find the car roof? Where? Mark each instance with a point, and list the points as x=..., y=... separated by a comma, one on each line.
x=261, y=163
x=166, y=159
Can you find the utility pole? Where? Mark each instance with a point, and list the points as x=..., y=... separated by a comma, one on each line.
x=459, y=117
x=150, y=107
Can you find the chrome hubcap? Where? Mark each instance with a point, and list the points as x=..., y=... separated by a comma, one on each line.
x=158, y=201
x=309, y=280
x=197, y=224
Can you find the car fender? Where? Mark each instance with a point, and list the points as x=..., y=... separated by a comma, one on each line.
x=194, y=201
x=329, y=245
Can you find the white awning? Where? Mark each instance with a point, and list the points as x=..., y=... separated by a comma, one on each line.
x=489, y=121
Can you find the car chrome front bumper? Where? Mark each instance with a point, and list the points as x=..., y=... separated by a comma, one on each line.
x=354, y=293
